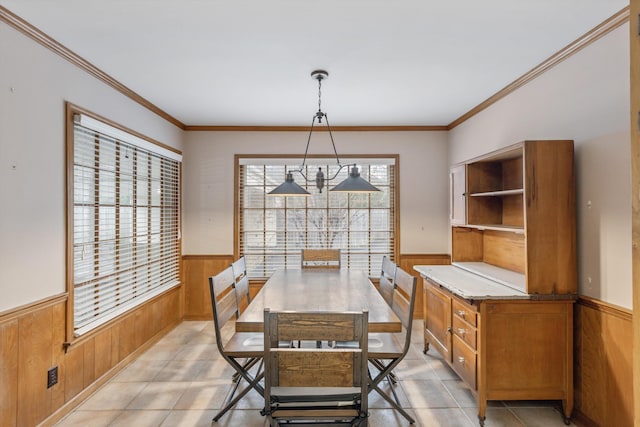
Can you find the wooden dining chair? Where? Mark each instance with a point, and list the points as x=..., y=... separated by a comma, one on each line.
x=241, y=280
x=311, y=385
x=243, y=350
x=320, y=258
x=392, y=348
x=387, y=278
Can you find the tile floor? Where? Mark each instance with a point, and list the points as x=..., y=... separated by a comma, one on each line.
x=182, y=381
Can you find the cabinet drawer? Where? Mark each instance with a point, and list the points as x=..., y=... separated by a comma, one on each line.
x=464, y=361
x=465, y=311
x=465, y=331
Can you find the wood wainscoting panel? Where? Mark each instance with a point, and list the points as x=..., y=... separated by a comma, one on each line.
x=196, y=272
x=407, y=261
x=32, y=341
x=9, y=372
x=35, y=340
x=603, y=364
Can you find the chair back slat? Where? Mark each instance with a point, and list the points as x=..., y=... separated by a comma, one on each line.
x=320, y=258
x=242, y=293
x=223, y=300
x=404, y=297
x=389, y=268
x=290, y=326
x=227, y=308
x=239, y=268
x=322, y=368
x=387, y=279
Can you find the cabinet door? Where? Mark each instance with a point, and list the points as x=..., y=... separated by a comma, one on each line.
x=438, y=319
x=458, y=191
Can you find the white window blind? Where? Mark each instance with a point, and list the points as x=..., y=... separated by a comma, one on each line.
x=273, y=230
x=126, y=223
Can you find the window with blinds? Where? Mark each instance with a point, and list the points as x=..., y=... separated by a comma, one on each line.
x=125, y=218
x=273, y=229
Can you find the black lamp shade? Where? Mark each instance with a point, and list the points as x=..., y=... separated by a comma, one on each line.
x=355, y=184
x=289, y=188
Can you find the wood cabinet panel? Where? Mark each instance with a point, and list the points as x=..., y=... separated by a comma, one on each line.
x=504, y=249
x=467, y=244
x=458, y=202
x=437, y=306
x=525, y=349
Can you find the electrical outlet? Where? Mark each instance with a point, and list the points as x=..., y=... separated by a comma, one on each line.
x=52, y=377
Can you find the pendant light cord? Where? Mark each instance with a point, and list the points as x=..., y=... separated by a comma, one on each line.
x=320, y=115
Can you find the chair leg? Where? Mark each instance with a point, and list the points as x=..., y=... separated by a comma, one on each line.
x=385, y=372
x=253, y=383
x=395, y=405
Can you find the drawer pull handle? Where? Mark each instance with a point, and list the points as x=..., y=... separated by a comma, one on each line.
x=461, y=331
x=461, y=360
x=462, y=313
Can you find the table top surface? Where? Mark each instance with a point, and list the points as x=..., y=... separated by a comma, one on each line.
x=319, y=290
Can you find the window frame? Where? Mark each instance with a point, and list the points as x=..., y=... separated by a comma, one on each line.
x=395, y=223
x=143, y=143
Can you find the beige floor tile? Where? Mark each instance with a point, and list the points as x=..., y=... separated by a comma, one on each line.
x=147, y=418
x=80, y=418
x=416, y=369
x=245, y=418
x=198, y=351
x=252, y=400
x=141, y=370
x=181, y=370
x=159, y=395
x=377, y=401
x=442, y=370
x=113, y=396
x=215, y=369
x=189, y=419
x=204, y=395
x=388, y=418
x=428, y=394
x=460, y=393
x=495, y=417
x=162, y=350
x=443, y=417
x=539, y=417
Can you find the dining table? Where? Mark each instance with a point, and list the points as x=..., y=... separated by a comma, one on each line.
x=319, y=290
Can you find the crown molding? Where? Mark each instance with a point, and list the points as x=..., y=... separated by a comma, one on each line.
x=596, y=33
x=316, y=129
x=38, y=36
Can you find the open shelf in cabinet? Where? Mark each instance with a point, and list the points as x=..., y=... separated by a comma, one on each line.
x=496, y=190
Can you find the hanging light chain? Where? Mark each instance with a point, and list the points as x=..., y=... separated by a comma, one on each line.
x=320, y=95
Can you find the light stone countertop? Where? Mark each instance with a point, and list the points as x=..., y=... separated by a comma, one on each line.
x=475, y=285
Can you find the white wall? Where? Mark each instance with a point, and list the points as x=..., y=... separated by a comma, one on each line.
x=584, y=98
x=34, y=85
x=209, y=173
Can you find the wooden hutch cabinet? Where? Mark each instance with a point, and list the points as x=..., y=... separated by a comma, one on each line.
x=502, y=314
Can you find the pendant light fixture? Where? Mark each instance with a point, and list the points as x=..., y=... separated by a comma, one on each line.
x=354, y=182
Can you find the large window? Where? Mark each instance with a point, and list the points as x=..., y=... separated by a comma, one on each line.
x=125, y=221
x=273, y=229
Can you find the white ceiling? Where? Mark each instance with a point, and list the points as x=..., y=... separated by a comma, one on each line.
x=242, y=62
